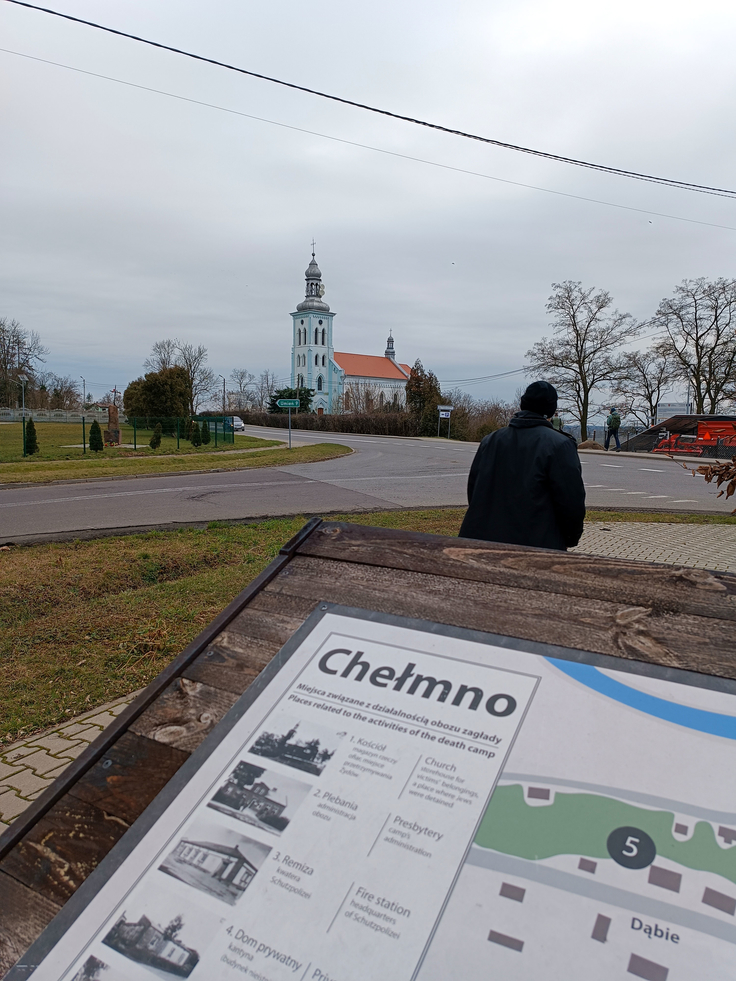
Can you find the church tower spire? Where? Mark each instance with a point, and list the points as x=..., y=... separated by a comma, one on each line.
x=389, y=352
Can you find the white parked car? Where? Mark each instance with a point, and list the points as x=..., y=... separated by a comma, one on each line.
x=238, y=424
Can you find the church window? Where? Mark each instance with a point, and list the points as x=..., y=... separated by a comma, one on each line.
x=323, y=336
x=316, y=360
x=319, y=384
x=324, y=360
x=302, y=323
x=316, y=336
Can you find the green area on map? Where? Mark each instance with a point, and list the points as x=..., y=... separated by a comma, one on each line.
x=579, y=824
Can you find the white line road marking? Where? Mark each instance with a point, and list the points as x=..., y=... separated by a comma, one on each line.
x=617, y=466
x=591, y=486
x=686, y=501
x=654, y=497
x=206, y=488
x=635, y=492
x=650, y=470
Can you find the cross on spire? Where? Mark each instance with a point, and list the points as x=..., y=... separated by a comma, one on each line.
x=313, y=245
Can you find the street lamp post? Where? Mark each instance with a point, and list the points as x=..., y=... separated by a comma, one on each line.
x=22, y=379
x=223, y=397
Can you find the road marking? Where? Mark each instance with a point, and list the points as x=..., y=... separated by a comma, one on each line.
x=686, y=501
x=636, y=492
x=591, y=486
x=654, y=497
x=650, y=470
x=617, y=466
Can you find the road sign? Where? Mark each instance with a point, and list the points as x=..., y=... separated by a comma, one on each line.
x=445, y=408
x=444, y=414
x=287, y=403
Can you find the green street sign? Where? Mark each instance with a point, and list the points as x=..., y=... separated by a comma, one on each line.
x=287, y=403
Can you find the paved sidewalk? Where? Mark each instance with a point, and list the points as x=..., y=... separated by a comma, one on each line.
x=29, y=766
x=697, y=546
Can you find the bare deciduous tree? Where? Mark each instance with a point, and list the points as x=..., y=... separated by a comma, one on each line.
x=645, y=376
x=361, y=397
x=170, y=353
x=263, y=389
x=163, y=355
x=21, y=351
x=241, y=397
x=700, y=321
x=581, y=354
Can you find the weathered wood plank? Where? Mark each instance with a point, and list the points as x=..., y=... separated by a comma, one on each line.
x=659, y=587
x=254, y=624
x=24, y=915
x=184, y=714
x=63, y=848
x=232, y=669
x=696, y=643
x=126, y=780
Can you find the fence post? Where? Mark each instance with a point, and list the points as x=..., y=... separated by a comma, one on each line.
x=135, y=434
x=215, y=432
x=84, y=437
x=177, y=432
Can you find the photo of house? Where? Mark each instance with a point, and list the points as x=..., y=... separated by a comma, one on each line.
x=260, y=797
x=302, y=745
x=215, y=860
x=94, y=969
x=143, y=941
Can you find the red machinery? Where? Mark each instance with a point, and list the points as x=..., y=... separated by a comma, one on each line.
x=709, y=434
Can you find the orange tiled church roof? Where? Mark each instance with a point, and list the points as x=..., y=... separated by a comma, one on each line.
x=371, y=366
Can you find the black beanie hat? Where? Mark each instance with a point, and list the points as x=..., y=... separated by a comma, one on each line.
x=540, y=397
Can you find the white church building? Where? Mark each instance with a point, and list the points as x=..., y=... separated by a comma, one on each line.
x=340, y=381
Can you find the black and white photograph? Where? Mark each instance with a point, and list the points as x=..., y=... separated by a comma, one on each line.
x=260, y=797
x=216, y=860
x=95, y=969
x=163, y=932
x=299, y=744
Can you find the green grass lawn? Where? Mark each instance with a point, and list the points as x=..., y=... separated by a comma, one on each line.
x=63, y=441
x=249, y=452
x=82, y=623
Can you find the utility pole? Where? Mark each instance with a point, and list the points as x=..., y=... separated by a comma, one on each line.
x=223, y=397
x=84, y=392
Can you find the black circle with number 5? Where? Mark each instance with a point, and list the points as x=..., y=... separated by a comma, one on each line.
x=631, y=847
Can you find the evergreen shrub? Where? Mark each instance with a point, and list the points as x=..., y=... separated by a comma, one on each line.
x=95, y=438
x=195, y=436
x=155, y=440
x=31, y=438
x=205, y=432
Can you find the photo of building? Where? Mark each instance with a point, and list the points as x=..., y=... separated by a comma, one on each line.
x=304, y=746
x=215, y=860
x=259, y=797
x=142, y=941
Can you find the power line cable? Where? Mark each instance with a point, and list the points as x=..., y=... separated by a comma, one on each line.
x=602, y=168
x=363, y=146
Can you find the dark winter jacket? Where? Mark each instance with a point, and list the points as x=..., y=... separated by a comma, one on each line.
x=526, y=486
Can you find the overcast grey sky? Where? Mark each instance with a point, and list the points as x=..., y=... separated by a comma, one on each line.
x=129, y=216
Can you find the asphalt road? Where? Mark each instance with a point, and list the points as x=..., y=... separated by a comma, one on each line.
x=383, y=473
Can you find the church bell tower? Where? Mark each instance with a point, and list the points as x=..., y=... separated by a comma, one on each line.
x=312, y=364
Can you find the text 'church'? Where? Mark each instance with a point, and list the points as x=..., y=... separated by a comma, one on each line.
x=341, y=382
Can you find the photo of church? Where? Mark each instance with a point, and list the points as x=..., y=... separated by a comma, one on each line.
x=215, y=860
x=142, y=941
x=341, y=381
x=303, y=745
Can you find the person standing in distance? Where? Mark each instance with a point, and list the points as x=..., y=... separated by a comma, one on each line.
x=525, y=485
x=613, y=423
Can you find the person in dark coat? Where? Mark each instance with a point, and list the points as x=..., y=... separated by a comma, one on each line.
x=525, y=485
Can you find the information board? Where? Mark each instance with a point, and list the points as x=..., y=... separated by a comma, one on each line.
x=395, y=799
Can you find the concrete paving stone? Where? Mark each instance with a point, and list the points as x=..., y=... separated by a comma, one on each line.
x=7, y=771
x=17, y=751
x=11, y=805
x=74, y=729
x=102, y=720
x=53, y=774
x=72, y=754
x=56, y=745
x=41, y=762
x=27, y=783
